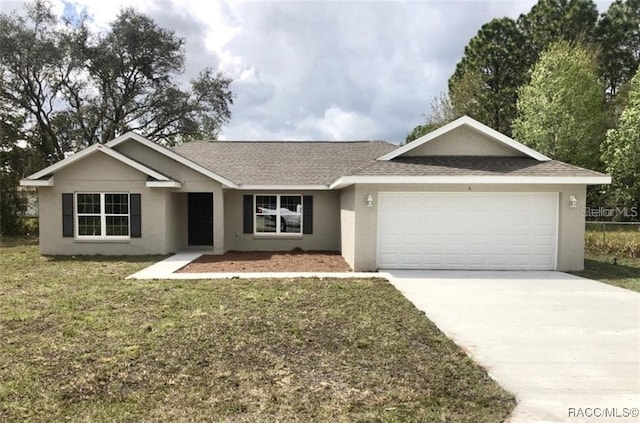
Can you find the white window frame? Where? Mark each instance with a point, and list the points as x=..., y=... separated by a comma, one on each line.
x=103, y=217
x=278, y=216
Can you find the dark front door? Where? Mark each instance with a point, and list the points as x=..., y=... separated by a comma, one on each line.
x=200, y=218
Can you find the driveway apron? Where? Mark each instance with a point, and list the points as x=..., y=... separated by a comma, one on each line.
x=568, y=348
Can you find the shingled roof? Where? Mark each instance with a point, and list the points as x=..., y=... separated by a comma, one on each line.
x=283, y=162
x=472, y=166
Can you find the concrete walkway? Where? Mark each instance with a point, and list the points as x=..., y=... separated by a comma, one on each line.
x=166, y=269
x=567, y=347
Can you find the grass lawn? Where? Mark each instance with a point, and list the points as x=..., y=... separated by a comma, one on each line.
x=625, y=274
x=81, y=343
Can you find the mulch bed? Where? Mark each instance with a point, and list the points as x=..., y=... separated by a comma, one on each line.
x=269, y=261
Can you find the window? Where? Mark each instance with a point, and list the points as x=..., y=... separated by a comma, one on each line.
x=278, y=214
x=102, y=215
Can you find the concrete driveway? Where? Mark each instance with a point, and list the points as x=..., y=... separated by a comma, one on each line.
x=568, y=348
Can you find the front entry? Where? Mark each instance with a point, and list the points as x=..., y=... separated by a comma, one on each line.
x=200, y=218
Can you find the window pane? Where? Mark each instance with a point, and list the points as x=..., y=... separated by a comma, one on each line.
x=266, y=204
x=89, y=225
x=117, y=225
x=116, y=203
x=290, y=213
x=293, y=203
x=265, y=223
x=88, y=203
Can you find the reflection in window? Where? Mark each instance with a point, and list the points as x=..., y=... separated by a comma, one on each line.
x=278, y=214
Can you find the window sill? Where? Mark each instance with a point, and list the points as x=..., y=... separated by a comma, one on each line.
x=276, y=236
x=110, y=240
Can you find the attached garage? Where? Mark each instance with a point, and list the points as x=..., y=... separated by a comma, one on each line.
x=501, y=231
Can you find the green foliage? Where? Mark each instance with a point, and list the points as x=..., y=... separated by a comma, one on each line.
x=15, y=162
x=10, y=203
x=621, y=150
x=560, y=111
x=550, y=21
x=485, y=82
x=618, y=35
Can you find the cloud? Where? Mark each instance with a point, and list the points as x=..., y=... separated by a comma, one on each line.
x=321, y=69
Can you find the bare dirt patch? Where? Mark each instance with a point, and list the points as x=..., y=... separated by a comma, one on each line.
x=269, y=261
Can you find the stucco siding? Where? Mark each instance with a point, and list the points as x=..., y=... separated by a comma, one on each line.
x=326, y=225
x=462, y=141
x=192, y=181
x=176, y=222
x=570, y=220
x=348, y=224
x=100, y=173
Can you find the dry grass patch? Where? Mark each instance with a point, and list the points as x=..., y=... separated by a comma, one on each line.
x=623, y=241
x=80, y=343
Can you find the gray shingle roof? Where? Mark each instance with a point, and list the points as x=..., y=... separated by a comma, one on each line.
x=472, y=166
x=285, y=162
x=321, y=163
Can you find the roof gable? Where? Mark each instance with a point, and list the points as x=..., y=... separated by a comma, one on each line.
x=132, y=136
x=464, y=137
x=94, y=149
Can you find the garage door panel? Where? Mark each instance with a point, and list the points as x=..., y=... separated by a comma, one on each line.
x=467, y=230
x=544, y=240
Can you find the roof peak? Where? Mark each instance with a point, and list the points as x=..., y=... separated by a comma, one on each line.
x=291, y=141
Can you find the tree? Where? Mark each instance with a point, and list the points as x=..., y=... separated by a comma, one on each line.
x=485, y=82
x=440, y=113
x=618, y=34
x=63, y=87
x=12, y=157
x=560, y=111
x=549, y=21
x=621, y=150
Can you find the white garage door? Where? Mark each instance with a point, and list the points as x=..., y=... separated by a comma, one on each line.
x=505, y=231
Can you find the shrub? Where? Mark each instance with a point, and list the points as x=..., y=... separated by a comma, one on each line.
x=621, y=242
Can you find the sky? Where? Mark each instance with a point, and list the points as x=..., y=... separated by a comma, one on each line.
x=319, y=70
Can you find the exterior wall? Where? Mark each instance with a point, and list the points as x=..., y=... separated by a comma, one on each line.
x=348, y=225
x=177, y=223
x=100, y=173
x=164, y=210
x=462, y=141
x=192, y=181
x=570, y=220
x=326, y=225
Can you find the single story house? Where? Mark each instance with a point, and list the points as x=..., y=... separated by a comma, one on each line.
x=461, y=197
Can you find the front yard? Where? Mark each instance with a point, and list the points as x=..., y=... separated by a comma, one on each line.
x=81, y=343
x=625, y=273
x=613, y=255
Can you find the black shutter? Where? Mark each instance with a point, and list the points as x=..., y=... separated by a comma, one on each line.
x=307, y=214
x=135, y=215
x=247, y=214
x=67, y=215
